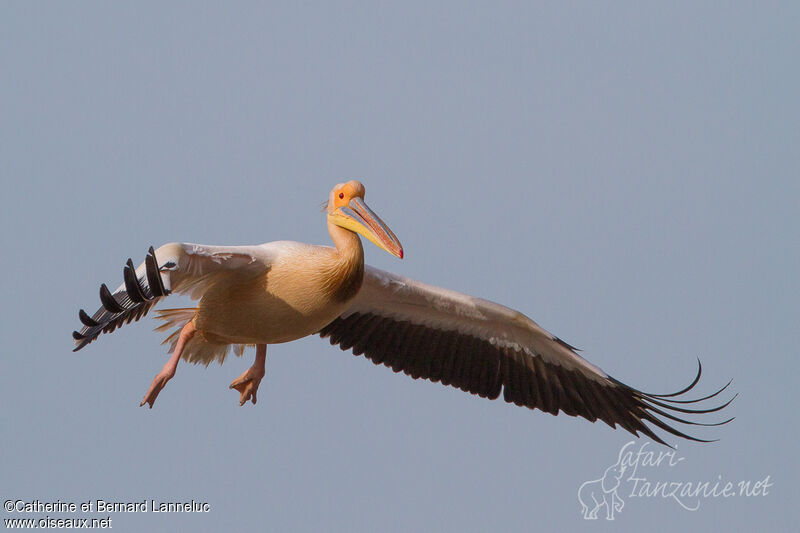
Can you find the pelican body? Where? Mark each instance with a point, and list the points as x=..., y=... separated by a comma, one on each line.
x=281, y=291
x=305, y=288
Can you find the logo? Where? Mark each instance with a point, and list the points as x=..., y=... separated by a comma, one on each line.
x=646, y=474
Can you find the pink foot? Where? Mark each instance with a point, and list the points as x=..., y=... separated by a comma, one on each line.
x=158, y=383
x=247, y=384
x=169, y=368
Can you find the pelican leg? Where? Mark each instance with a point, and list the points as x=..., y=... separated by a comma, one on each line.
x=168, y=371
x=247, y=383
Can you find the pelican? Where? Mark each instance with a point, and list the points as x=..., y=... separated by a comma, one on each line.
x=281, y=291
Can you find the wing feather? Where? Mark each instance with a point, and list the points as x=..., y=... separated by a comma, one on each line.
x=175, y=267
x=484, y=348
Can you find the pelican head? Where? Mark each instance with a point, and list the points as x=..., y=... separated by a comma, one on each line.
x=346, y=209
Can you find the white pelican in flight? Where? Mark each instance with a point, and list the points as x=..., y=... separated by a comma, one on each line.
x=282, y=291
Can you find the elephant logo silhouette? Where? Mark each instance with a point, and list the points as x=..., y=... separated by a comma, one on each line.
x=595, y=494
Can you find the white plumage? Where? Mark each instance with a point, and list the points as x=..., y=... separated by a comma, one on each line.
x=281, y=291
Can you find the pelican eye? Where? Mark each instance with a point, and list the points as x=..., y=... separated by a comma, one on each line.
x=341, y=195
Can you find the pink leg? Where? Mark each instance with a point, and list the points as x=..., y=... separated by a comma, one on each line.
x=247, y=383
x=169, y=368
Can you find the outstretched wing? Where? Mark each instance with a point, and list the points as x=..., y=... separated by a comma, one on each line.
x=484, y=348
x=174, y=267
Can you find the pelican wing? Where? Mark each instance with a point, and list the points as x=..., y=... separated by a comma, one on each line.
x=484, y=348
x=175, y=267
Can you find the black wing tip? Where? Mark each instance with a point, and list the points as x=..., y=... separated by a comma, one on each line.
x=686, y=389
x=81, y=340
x=121, y=312
x=696, y=400
x=108, y=300
x=134, y=289
x=668, y=404
x=154, y=275
x=86, y=320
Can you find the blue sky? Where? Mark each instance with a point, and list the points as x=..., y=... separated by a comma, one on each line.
x=625, y=175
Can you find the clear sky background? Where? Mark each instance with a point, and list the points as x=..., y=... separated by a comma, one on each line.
x=625, y=175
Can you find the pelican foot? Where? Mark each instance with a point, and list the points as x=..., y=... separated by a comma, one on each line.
x=159, y=381
x=247, y=384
